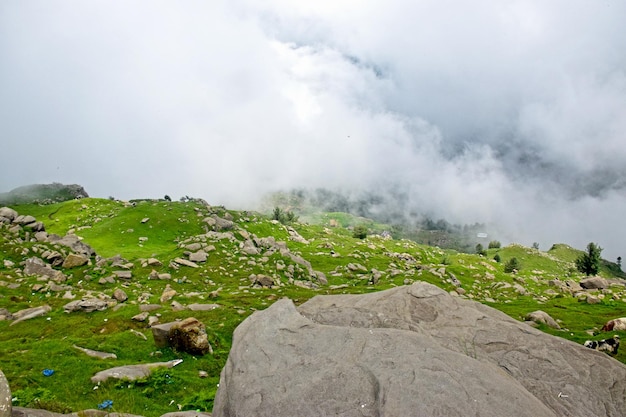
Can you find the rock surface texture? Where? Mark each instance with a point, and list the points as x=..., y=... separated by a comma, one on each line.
x=5, y=397
x=410, y=351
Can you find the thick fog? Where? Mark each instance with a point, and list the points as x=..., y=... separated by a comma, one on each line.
x=510, y=113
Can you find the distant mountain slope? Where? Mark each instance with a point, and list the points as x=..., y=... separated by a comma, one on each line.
x=42, y=194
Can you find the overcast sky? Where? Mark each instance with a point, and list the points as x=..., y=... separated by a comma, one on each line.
x=506, y=112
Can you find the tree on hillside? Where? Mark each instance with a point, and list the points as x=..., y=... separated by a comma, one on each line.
x=511, y=265
x=494, y=244
x=284, y=216
x=589, y=263
x=359, y=232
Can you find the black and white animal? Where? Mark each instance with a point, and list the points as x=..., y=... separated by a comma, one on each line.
x=606, y=345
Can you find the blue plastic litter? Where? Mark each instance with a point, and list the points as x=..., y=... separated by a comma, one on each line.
x=47, y=372
x=105, y=404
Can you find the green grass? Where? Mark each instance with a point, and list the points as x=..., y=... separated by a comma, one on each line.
x=113, y=227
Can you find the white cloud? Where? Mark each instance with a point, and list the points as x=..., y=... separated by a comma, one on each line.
x=502, y=112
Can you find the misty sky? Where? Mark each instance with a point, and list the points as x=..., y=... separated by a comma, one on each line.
x=511, y=113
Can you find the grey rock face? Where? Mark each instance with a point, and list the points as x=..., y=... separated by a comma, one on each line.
x=410, y=351
x=5, y=397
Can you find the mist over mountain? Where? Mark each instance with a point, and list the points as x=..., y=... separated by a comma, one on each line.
x=511, y=114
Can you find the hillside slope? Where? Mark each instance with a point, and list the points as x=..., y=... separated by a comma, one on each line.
x=42, y=193
x=175, y=255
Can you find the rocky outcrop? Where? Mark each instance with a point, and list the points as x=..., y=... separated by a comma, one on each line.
x=412, y=350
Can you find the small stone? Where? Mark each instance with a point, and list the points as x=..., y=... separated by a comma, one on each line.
x=120, y=295
x=141, y=316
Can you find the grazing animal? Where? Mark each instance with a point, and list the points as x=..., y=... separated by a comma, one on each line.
x=615, y=325
x=606, y=345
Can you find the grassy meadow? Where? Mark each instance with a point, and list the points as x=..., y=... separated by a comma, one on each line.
x=161, y=229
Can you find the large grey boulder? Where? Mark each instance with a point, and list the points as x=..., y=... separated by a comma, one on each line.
x=410, y=351
x=594, y=283
x=8, y=213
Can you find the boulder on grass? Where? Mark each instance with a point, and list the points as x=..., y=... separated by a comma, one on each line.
x=410, y=351
x=189, y=335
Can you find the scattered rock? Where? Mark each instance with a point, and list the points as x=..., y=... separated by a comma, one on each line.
x=123, y=274
x=87, y=305
x=30, y=313
x=249, y=248
x=73, y=260
x=594, y=283
x=193, y=246
x=95, y=353
x=132, y=372
x=141, y=316
x=184, y=262
x=36, y=266
x=5, y=314
x=262, y=280
x=73, y=242
x=161, y=334
x=168, y=294
x=154, y=262
x=199, y=256
x=120, y=295
x=202, y=307
x=189, y=335
x=138, y=334
x=222, y=224
x=543, y=318
x=8, y=214
x=592, y=299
